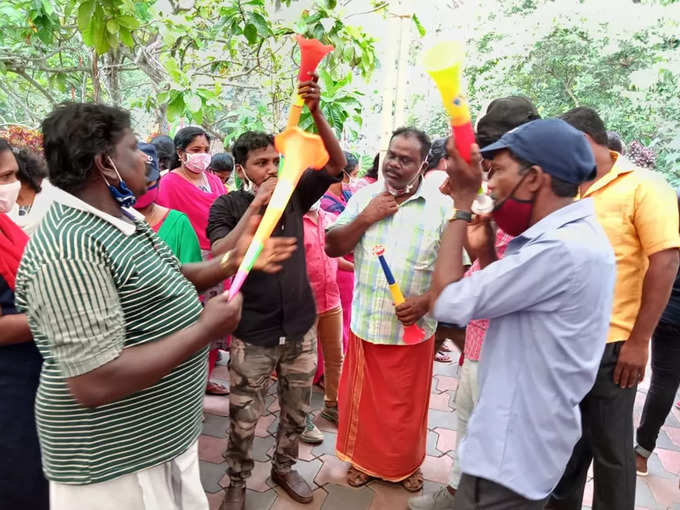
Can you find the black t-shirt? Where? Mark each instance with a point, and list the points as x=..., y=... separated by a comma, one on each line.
x=274, y=305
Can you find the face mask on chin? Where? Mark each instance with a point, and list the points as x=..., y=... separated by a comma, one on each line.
x=121, y=193
x=410, y=186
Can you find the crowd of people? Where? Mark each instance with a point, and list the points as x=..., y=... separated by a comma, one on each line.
x=115, y=256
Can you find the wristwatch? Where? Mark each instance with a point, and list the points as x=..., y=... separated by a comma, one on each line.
x=458, y=214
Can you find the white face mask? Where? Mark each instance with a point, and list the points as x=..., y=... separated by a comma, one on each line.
x=406, y=189
x=8, y=195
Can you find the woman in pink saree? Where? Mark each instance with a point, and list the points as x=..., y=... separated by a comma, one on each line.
x=191, y=189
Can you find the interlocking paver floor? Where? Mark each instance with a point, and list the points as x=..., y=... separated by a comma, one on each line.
x=321, y=468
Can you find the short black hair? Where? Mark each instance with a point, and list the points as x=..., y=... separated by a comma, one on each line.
x=32, y=168
x=437, y=153
x=165, y=150
x=4, y=145
x=587, y=120
x=352, y=161
x=421, y=136
x=183, y=139
x=250, y=141
x=73, y=134
x=561, y=188
x=222, y=162
x=614, y=142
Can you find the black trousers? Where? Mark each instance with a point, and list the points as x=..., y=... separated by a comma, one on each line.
x=607, y=439
x=476, y=493
x=663, y=386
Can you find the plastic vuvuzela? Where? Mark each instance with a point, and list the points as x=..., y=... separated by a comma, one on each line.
x=311, y=53
x=301, y=151
x=444, y=63
x=413, y=334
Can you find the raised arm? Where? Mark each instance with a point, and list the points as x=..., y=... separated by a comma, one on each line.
x=311, y=93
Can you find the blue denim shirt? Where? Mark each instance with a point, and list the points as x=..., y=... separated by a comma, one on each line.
x=549, y=300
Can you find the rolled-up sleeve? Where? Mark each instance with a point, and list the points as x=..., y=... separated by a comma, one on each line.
x=79, y=312
x=528, y=280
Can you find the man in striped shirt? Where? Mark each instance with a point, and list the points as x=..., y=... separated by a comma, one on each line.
x=118, y=322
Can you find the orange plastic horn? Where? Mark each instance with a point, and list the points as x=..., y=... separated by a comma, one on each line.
x=311, y=53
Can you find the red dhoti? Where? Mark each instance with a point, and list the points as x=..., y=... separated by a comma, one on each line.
x=383, y=400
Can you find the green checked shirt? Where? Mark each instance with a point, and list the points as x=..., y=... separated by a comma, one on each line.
x=92, y=285
x=411, y=240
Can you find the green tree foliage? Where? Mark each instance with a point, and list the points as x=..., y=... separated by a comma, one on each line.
x=227, y=65
x=626, y=66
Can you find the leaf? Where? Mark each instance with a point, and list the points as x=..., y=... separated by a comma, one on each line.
x=419, y=26
x=112, y=26
x=176, y=107
x=193, y=102
x=261, y=23
x=331, y=3
x=300, y=26
x=250, y=31
x=85, y=15
x=126, y=37
x=128, y=21
x=99, y=40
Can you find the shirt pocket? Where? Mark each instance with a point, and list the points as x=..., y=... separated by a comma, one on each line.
x=422, y=249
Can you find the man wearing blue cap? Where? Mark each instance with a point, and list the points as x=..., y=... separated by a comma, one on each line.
x=548, y=301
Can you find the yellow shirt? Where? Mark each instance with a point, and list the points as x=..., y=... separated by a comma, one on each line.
x=639, y=212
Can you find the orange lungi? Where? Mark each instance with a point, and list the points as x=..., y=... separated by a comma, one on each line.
x=383, y=400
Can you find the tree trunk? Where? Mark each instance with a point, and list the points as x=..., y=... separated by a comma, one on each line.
x=112, y=75
x=96, y=85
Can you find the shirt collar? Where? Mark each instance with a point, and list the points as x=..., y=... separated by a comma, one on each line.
x=621, y=166
x=577, y=210
x=426, y=190
x=127, y=227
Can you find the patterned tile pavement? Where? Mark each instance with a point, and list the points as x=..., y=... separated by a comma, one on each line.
x=326, y=474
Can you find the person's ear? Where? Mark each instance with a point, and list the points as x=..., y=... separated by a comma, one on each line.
x=239, y=170
x=103, y=164
x=536, y=178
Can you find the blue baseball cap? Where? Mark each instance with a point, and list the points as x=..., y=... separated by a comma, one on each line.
x=558, y=148
x=153, y=172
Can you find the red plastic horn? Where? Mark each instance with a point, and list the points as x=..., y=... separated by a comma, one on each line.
x=311, y=53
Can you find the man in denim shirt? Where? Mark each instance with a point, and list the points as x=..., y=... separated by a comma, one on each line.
x=548, y=301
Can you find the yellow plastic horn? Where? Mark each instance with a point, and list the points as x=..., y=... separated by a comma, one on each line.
x=444, y=63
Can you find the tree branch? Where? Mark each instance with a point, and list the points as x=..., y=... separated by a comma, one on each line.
x=8, y=90
x=37, y=85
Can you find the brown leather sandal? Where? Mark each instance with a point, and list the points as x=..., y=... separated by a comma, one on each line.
x=414, y=482
x=356, y=478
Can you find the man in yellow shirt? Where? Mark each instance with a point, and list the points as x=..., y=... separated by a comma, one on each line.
x=638, y=211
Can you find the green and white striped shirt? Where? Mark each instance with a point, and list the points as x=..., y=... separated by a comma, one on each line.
x=92, y=285
x=411, y=240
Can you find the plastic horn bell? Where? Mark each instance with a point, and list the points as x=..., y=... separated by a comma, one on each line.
x=413, y=334
x=301, y=151
x=444, y=63
x=311, y=53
